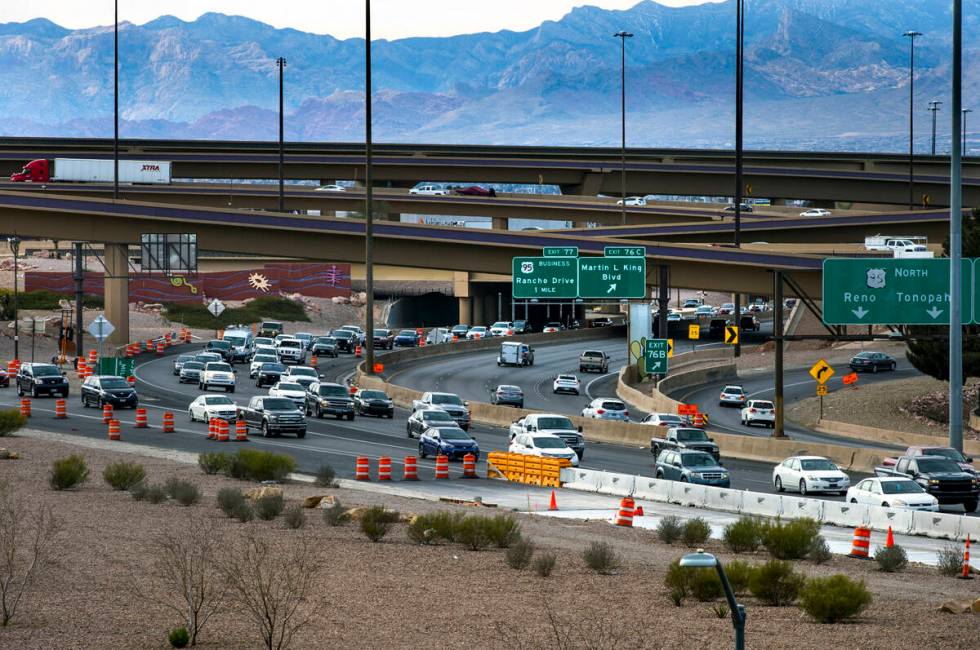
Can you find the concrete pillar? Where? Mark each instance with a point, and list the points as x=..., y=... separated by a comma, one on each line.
x=501, y=223
x=591, y=185
x=479, y=310
x=465, y=310
x=117, y=294
x=461, y=289
x=391, y=216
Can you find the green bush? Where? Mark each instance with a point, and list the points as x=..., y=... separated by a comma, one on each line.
x=739, y=574
x=669, y=529
x=430, y=527
x=138, y=491
x=41, y=300
x=473, y=532
x=179, y=637
x=376, y=522
x=325, y=476
x=601, y=558
x=68, y=472
x=336, y=514
x=677, y=596
x=123, y=475
x=183, y=492
x=255, y=465
x=776, y=583
x=704, y=584
x=271, y=308
x=519, y=554
x=790, y=540
x=269, y=506
x=696, y=532
x=229, y=499
x=503, y=530
x=155, y=494
x=834, y=599
x=295, y=518
x=544, y=564
x=213, y=462
x=743, y=536
x=244, y=512
x=819, y=551
x=10, y=421
x=950, y=560
x=891, y=560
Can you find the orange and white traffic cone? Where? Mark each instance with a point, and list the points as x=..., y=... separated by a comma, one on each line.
x=142, y=421
x=890, y=539
x=442, y=467
x=222, y=430
x=469, y=466
x=212, y=428
x=384, y=468
x=411, y=469
x=554, y=502
x=106, y=413
x=861, y=544
x=966, y=561
x=114, y=430
x=25, y=407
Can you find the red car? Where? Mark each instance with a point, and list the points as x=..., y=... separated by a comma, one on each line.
x=4, y=379
x=476, y=190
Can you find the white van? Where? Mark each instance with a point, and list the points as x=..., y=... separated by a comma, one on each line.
x=242, y=344
x=513, y=353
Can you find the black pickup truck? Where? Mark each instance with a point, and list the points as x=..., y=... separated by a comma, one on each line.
x=940, y=477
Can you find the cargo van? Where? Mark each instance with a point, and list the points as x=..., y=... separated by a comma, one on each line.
x=513, y=353
x=242, y=344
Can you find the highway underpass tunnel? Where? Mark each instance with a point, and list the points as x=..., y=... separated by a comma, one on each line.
x=492, y=301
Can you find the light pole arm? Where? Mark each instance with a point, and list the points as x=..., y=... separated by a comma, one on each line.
x=738, y=611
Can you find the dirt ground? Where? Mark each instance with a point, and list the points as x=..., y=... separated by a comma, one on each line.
x=398, y=594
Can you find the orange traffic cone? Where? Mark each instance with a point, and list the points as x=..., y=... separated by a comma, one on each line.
x=554, y=502
x=638, y=511
x=890, y=539
x=966, y=561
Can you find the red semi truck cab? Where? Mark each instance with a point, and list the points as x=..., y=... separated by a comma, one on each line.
x=36, y=171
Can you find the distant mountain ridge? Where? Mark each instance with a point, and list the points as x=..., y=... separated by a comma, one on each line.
x=828, y=74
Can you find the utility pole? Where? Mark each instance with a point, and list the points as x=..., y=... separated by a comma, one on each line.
x=79, y=297
x=115, y=109
x=912, y=34
x=14, y=243
x=368, y=194
x=965, y=111
x=934, y=109
x=739, y=181
x=622, y=36
x=281, y=64
x=956, y=240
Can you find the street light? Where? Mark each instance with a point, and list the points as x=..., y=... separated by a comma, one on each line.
x=911, y=34
x=622, y=36
x=368, y=195
x=934, y=109
x=965, y=111
x=702, y=560
x=281, y=64
x=115, y=108
x=14, y=243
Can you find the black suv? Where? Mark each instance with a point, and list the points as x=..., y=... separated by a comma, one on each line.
x=224, y=348
x=346, y=340
x=274, y=416
x=100, y=390
x=36, y=379
x=325, y=398
x=374, y=402
x=269, y=374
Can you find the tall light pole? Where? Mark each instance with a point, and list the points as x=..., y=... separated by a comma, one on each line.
x=965, y=111
x=956, y=239
x=14, y=243
x=934, y=109
x=622, y=36
x=115, y=104
x=911, y=34
x=739, y=180
x=281, y=64
x=368, y=194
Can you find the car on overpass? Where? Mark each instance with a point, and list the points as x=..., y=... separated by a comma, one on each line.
x=552, y=328
x=522, y=327
x=892, y=492
x=805, y=474
x=816, y=212
x=502, y=328
x=475, y=190
x=428, y=190
x=331, y=188
x=696, y=467
x=633, y=201
x=869, y=361
x=206, y=407
x=452, y=442
x=459, y=331
x=423, y=419
x=745, y=207
x=543, y=445
x=477, y=332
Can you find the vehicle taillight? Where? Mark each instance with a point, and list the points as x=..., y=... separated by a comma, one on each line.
x=626, y=413
x=751, y=410
x=600, y=411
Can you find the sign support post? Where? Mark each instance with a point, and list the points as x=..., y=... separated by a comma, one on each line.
x=777, y=330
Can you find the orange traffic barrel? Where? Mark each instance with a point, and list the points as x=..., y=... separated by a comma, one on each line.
x=25, y=407
x=421, y=341
x=966, y=560
x=455, y=338
x=624, y=517
x=699, y=420
x=106, y=413
x=114, y=431
x=411, y=469
x=167, y=339
x=212, y=428
x=149, y=345
x=159, y=348
x=362, y=469
x=861, y=544
x=168, y=422
x=358, y=351
x=82, y=369
x=384, y=468
x=241, y=431
x=131, y=380
x=142, y=421
x=92, y=357
x=222, y=430
x=469, y=466
x=61, y=409
x=313, y=361
x=442, y=466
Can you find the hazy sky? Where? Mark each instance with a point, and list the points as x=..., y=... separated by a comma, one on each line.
x=340, y=18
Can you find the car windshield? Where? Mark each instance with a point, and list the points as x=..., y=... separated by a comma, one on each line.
x=271, y=325
x=279, y=404
x=264, y=340
x=373, y=394
x=691, y=435
x=548, y=442
x=290, y=343
x=864, y=355
x=342, y=334
x=218, y=367
x=567, y=378
x=218, y=400
x=332, y=390
x=326, y=340
x=185, y=358
x=613, y=406
x=447, y=399
x=558, y=325
x=509, y=389
x=273, y=367
x=437, y=416
x=817, y=465
x=381, y=332
x=555, y=423
x=762, y=405
x=114, y=382
x=946, y=452
x=901, y=487
x=454, y=434
x=219, y=345
x=406, y=333
x=937, y=465
x=204, y=358
x=734, y=389
x=501, y=323
x=235, y=340
x=668, y=418
x=265, y=358
x=192, y=365
x=303, y=336
x=46, y=371
x=698, y=460
x=292, y=387
x=303, y=372
x=481, y=328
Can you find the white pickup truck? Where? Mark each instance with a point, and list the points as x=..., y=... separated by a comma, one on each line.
x=552, y=424
x=905, y=243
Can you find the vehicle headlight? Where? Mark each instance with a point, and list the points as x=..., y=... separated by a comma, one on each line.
x=38, y=380
x=933, y=481
x=899, y=502
x=273, y=417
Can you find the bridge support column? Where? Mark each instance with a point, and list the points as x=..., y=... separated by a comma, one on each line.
x=501, y=223
x=461, y=289
x=392, y=216
x=117, y=294
x=590, y=186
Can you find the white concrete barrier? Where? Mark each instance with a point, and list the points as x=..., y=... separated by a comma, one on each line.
x=620, y=485
x=848, y=515
x=651, y=489
x=585, y=480
x=687, y=494
x=799, y=507
x=900, y=519
x=767, y=505
x=970, y=526
x=723, y=499
x=937, y=524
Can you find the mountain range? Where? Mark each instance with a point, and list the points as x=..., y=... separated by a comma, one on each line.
x=819, y=74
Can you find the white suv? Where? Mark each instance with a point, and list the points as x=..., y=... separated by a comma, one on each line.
x=291, y=351
x=217, y=373
x=543, y=444
x=759, y=411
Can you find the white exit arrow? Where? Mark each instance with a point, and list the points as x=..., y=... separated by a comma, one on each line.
x=860, y=312
x=612, y=287
x=935, y=313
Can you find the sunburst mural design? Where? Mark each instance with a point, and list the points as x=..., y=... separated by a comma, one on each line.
x=259, y=282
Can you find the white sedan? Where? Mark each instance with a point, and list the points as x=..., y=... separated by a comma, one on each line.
x=543, y=444
x=892, y=492
x=566, y=384
x=815, y=212
x=666, y=420
x=331, y=188
x=477, y=332
x=633, y=200
x=805, y=474
x=290, y=391
x=759, y=411
x=205, y=407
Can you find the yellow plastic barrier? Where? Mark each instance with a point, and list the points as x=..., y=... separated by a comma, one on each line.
x=532, y=470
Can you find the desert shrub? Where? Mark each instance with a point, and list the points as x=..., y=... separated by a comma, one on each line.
x=503, y=530
x=256, y=465
x=519, y=554
x=789, y=540
x=183, y=492
x=138, y=491
x=473, y=532
x=295, y=518
x=179, y=637
x=10, y=421
x=776, y=583
x=244, y=512
x=669, y=529
x=676, y=579
x=123, y=475
x=739, y=573
x=69, y=472
x=834, y=599
x=950, y=560
x=268, y=506
x=325, y=476
x=819, y=550
x=376, y=522
x=677, y=596
x=601, y=558
x=229, y=499
x=891, y=560
x=720, y=611
x=336, y=514
x=544, y=563
x=213, y=462
x=743, y=536
x=696, y=532
x=155, y=493
x=266, y=307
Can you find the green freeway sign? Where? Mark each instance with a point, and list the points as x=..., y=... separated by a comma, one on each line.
x=544, y=277
x=655, y=356
x=625, y=251
x=612, y=277
x=892, y=291
x=561, y=251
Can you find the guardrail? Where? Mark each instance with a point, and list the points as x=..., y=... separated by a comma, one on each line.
x=533, y=470
x=743, y=502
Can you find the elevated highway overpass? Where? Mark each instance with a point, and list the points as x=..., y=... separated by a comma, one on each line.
x=821, y=177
